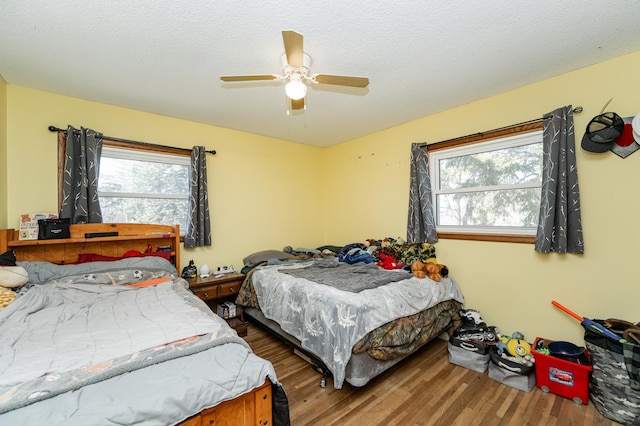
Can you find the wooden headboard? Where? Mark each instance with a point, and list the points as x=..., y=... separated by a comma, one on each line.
x=130, y=236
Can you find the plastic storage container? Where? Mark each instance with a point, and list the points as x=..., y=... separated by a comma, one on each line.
x=562, y=377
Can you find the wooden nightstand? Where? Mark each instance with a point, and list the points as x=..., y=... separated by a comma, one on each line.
x=217, y=290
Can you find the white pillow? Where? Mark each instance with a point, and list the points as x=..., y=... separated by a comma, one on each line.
x=13, y=276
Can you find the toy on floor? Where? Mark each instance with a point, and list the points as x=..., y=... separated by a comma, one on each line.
x=474, y=329
x=515, y=348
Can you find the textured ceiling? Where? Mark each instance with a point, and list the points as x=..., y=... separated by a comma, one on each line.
x=421, y=57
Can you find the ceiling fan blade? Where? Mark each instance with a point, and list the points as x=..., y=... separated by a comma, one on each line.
x=297, y=104
x=231, y=78
x=342, y=80
x=293, y=47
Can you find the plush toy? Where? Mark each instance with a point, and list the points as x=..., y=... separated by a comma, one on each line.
x=419, y=269
x=388, y=262
x=436, y=271
x=371, y=243
x=433, y=271
x=514, y=345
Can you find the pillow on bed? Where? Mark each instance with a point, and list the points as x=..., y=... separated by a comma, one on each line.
x=263, y=256
x=13, y=276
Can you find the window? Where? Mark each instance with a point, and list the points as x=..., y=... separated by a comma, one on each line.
x=137, y=186
x=488, y=187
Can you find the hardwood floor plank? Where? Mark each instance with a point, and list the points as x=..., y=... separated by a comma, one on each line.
x=424, y=389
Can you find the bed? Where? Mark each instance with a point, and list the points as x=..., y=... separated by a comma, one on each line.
x=120, y=339
x=353, y=332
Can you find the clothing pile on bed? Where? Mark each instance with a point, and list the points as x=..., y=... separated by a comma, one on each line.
x=389, y=253
x=381, y=252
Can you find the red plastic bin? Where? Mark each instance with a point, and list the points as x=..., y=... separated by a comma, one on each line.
x=564, y=378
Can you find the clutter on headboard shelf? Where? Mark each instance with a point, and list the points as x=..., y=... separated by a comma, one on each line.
x=98, y=241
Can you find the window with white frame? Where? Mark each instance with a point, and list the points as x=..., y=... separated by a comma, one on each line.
x=137, y=186
x=490, y=187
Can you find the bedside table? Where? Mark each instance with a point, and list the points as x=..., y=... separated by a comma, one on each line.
x=217, y=290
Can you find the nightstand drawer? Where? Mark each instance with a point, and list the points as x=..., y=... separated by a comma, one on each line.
x=206, y=293
x=229, y=289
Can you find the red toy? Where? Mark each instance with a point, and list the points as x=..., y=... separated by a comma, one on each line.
x=564, y=378
x=388, y=262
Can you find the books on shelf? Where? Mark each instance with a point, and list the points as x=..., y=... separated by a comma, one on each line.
x=29, y=224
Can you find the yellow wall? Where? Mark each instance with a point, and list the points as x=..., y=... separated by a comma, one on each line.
x=3, y=153
x=359, y=190
x=264, y=193
x=511, y=284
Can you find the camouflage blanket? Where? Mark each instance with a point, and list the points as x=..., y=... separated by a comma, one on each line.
x=404, y=335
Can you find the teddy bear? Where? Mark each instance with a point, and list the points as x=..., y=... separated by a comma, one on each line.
x=433, y=271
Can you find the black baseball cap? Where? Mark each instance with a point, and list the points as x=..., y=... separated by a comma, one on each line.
x=602, y=132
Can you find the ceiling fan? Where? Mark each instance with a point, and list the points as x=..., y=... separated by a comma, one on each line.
x=295, y=70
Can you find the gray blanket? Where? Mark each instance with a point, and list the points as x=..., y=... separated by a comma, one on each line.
x=44, y=272
x=328, y=322
x=60, y=337
x=346, y=277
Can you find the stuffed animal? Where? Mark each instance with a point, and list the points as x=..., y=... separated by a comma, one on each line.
x=436, y=271
x=419, y=269
x=513, y=345
x=433, y=271
x=389, y=262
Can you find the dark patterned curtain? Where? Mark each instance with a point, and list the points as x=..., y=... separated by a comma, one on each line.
x=80, y=180
x=198, y=231
x=560, y=223
x=421, y=226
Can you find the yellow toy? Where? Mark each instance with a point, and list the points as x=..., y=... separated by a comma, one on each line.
x=514, y=345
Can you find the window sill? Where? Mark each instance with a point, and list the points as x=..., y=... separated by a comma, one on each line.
x=498, y=238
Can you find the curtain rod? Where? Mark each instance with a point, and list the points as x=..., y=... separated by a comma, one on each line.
x=56, y=129
x=576, y=110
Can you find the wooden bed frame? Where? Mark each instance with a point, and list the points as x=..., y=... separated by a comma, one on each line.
x=130, y=236
x=254, y=407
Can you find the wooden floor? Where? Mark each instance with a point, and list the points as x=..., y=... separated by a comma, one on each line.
x=423, y=390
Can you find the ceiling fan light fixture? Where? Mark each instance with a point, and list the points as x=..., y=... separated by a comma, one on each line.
x=295, y=89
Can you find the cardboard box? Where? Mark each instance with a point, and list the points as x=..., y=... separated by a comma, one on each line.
x=227, y=310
